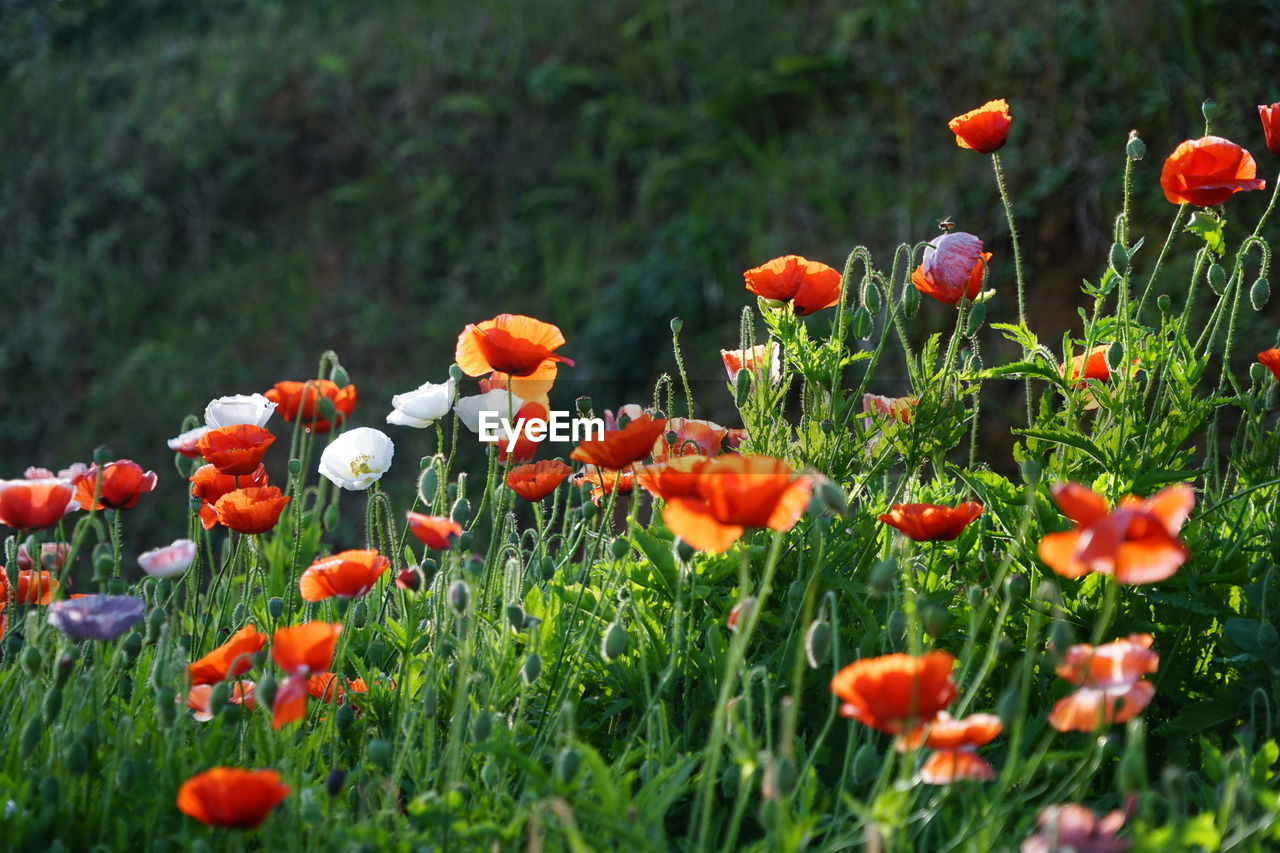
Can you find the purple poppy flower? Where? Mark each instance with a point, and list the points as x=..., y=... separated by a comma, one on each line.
x=96, y=617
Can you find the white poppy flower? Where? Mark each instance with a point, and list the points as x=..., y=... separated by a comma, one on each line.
x=169, y=561
x=498, y=403
x=357, y=459
x=238, y=409
x=423, y=406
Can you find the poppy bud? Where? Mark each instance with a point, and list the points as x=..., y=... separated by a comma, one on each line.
x=741, y=387
x=458, y=596
x=1164, y=303
x=265, y=691
x=359, y=614
x=862, y=322
x=795, y=594
x=132, y=646
x=1135, y=148
x=339, y=376
x=621, y=548
x=1119, y=258
x=102, y=566
x=871, y=297
x=76, y=759
x=334, y=781
x=295, y=467
x=481, y=727
x=977, y=316
x=911, y=302
x=1259, y=294
x=684, y=551
x=934, y=619
x=30, y=739
x=583, y=405
x=428, y=483
x=1208, y=109
x=52, y=703
x=330, y=517
x=455, y=373
x=896, y=626
x=676, y=325
x=1217, y=278
x=515, y=616
x=567, y=763
x=464, y=540
x=882, y=576
x=275, y=607
x=218, y=698
x=166, y=705
x=833, y=496
x=1258, y=372
x=866, y=764
x=532, y=668
x=31, y=661
x=817, y=643
x=588, y=511
x=155, y=619
x=102, y=455
x=345, y=717
x=613, y=643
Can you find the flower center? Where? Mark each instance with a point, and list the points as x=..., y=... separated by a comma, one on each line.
x=360, y=465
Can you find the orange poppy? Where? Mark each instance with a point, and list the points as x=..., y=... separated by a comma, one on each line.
x=901, y=408
x=945, y=766
x=672, y=479
x=252, y=510
x=231, y=798
x=34, y=504
x=33, y=587
x=229, y=660
x=300, y=401
x=621, y=448
x=954, y=743
x=1208, y=171
x=760, y=360
x=1270, y=116
x=122, y=484
x=604, y=482
x=949, y=282
x=534, y=482
x=1270, y=359
x=985, y=129
x=327, y=687
x=932, y=522
x=1110, y=682
x=200, y=696
x=306, y=648
x=1074, y=827
x=437, y=532
x=290, y=703
x=513, y=344
x=531, y=416
x=808, y=285
x=208, y=484
x=896, y=693
x=348, y=574
x=689, y=437
x=235, y=450
x=527, y=388
x=1137, y=541
x=735, y=493
x=1092, y=365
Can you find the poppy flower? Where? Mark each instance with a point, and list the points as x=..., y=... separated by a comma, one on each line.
x=305, y=649
x=985, y=129
x=119, y=484
x=1208, y=171
x=169, y=561
x=35, y=504
x=896, y=693
x=229, y=660
x=932, y=522
x=621, y=448
x=328, y=687
x=209, y=484
x=529, y=389
x=900, y=408
x=534, y=482
x=1111, y=686
x=252, y=510
x=231, y=798
x=236, y=449
x=290, y=703
x=357, y=459
x=760, y=360
x=736, y=493
x=437, y=532
x=1137, y=541
x=254, y=409
x=1072, y=827
x=348, y=574
x=532, y=420
x=33, y=587
x=808, y=285
x=1270, y=116
x=605, y=482
x=300, y=401
x=674, y=478
x=53, y=556
x=96, y=617
x=1091, y=365
x=512, y=344
x=187, y=441
x=952, y=268
x=1268, y=358
x=424, y=405
x=954, y=743
x=200, y=699
x=689, y=437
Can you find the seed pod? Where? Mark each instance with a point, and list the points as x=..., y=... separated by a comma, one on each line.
x=1217, y=278
x=1135, y=148
x=1031, y=472
x=379, y=753
x=481, y=727
x=102, y=455
x=613, y=643
x=295, y=467
x=862, y=322
x=1131, y=774
x=589, y=511
x=31, y=734
x=676, y=325
x=911, y=302
x=1208, y=109
x=1164, y=303
x=620, y=548
x=817, y=643
x=219, y=696
x=532, y=668
x=459, y=596
x=52, y=703
x=1061, y=638
x=1007, y=706
x=567, y=763
x=515, y=617
x=977, y=316
x=76, y=758
x=1259, y=294
x=275, y=607
x=455, y=373
x=330, y=517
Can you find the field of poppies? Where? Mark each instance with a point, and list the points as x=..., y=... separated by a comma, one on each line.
x=830, y=625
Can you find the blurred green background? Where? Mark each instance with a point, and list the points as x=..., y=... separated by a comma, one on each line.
x=201, y=196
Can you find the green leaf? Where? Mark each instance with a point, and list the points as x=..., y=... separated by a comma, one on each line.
x=1209, y=228
x=1071, y=440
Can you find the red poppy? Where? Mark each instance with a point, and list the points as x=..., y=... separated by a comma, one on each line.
x=35, y=504
x=235, y=450
x=604, y=482
x=512, y=344
x=1111, y=686
x=621, y=448
x=1208, y=171
x=327, y=687
x=896, y=693
x=1093, y=365
x=305, y=649
x=954, y=743
x=1072, y=827
x=532, y=419
x=33, y=587
x=229, y=660
x=435, y=531
x=1270, y=116
x=200, y=697
x=735, y=493
x=121, y=484
x=808, y=285
x=252, y=510
x=534, y=482
x=300, y=401
x=672, y=479
x=932, y=522
x=1137, y=541
x=689, y=437
x=952, y=268
x=1270, y=359
x=901, y=408
x=985, y=129
x=760, y=360
x=347, y=574
x=231, y=798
